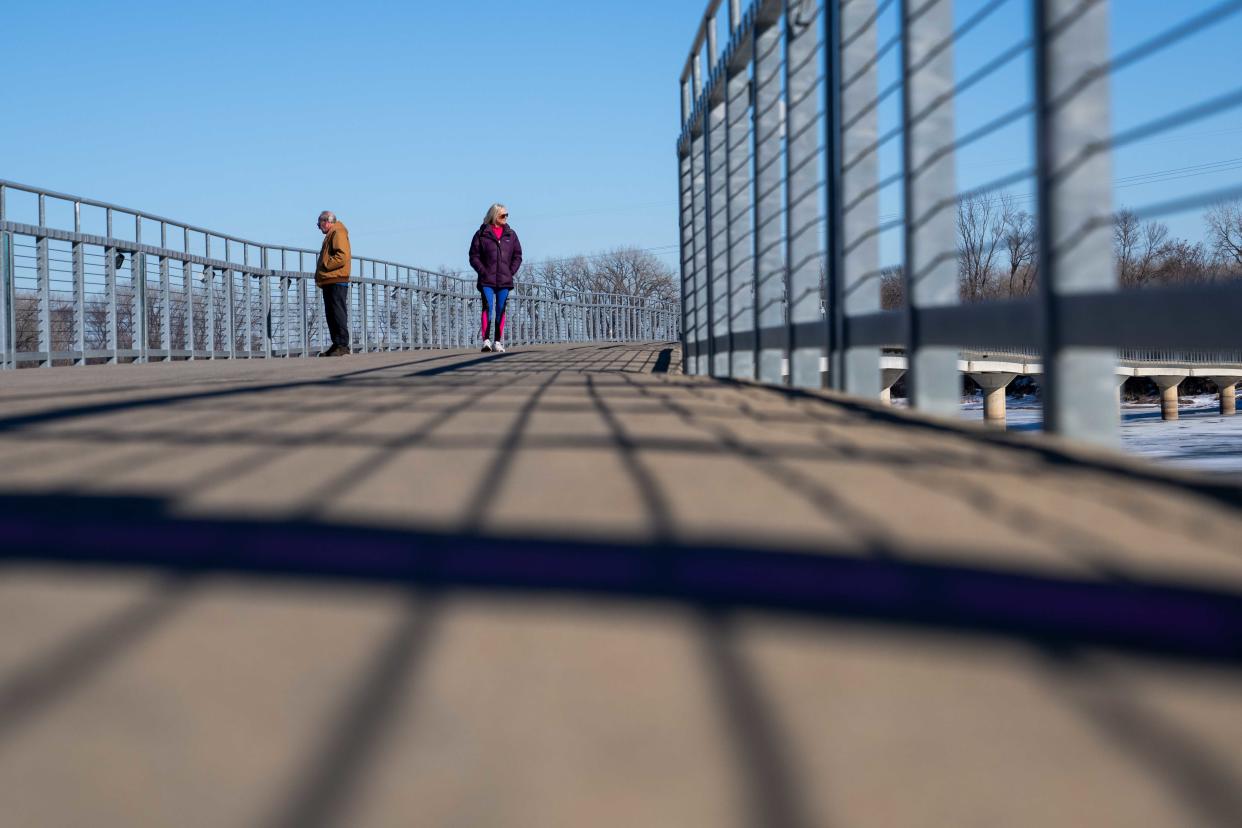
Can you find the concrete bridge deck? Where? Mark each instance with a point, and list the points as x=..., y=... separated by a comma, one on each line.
x=557, y=587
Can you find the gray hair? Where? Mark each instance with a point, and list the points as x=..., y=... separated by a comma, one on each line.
x=490, y=218
x=329, y=215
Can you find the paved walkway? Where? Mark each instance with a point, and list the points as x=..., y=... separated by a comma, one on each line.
x=566, y=586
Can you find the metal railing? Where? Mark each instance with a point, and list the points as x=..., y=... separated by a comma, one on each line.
x=1125, y=356
x=784, y=162
x=143, y=288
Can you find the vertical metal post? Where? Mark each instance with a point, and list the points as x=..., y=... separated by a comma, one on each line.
x=416, y=312
x=741, y=246
x=859, y=206
x=768, y=176
x=1074, y=162
x=79, y=290
x=44, y=281
x=138, y=284
x=393, y=335
x=803, y=190
x=284, y=304
x=6, y=325
x=302, y=288
x=8, y=359
x=166, y=292
x=138, y=277
x=834, y=310
x=411, y=333
x=930, y=199
x=717, y=164
x=702, y=251
x=712, y=50
x=715, y=276
x=362, y=312
x=209, y=277
x=685, y=200
x=113, y=344
x=265, y=284
x=187, y=274
x=79, y=304
x=230, y=312
x=247, y=280
x=375, y=310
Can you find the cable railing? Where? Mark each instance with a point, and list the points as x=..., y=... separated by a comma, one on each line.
x=86, y=282
x=827, y=144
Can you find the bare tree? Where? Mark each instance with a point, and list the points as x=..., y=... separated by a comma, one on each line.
x=1224, y=224
x=1020, y=244
x=1185, y=263
x=571, y=274
x=628, y=271
x=1138, y=249
x=892, y=287
x=980, y=239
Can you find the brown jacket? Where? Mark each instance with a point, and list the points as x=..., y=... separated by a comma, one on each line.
x=332, y=267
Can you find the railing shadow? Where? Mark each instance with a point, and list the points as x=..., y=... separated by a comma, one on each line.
x=880, y=586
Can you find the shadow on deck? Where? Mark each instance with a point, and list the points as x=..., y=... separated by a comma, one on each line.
x=518, y=582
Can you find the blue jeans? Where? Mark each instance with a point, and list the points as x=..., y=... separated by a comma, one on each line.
x=494, y=300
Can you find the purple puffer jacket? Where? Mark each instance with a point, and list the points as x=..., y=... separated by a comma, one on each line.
x=495, y=260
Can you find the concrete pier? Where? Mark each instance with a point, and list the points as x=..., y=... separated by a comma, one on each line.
x=994, y=384
x=888, y=378
x=1168, y=385
x=1228, y=389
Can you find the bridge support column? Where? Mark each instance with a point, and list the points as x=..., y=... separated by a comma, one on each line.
x=1121, y=383
x=888, y=378
x=1228, y=394
x=994, y=384
x=1168, y=384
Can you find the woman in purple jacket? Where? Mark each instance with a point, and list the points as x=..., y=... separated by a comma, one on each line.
x=495, y=255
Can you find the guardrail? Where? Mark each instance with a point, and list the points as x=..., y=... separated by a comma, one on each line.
x=780, y=158
x=143, y=287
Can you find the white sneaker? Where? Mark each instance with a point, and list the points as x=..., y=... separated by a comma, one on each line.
x=487, y=345
x=500, y=347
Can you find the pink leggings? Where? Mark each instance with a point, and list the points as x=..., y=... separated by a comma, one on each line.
x=494, y=301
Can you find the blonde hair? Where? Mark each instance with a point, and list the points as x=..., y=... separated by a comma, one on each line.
x=490, y=218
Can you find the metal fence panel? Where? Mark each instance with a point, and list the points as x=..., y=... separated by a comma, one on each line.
x=87, y=298
x=774, y=54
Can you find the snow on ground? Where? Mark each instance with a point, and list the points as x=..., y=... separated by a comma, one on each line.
x=1200, y=439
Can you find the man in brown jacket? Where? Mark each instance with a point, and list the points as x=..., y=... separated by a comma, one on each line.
x=332, y=276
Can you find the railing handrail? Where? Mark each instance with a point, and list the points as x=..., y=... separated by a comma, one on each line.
x=467, y=284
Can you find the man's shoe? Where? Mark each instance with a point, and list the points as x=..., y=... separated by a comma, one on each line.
x=326, y=353
x=337, y=350
x=487, y=346
x=500, y=347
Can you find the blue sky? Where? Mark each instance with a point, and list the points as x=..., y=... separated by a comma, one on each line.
x=409, y=119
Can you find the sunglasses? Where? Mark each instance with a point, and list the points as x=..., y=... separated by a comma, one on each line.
x=503, y=215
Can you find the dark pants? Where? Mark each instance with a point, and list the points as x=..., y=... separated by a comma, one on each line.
x=336, y=309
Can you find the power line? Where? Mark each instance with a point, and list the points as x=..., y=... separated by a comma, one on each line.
x=1139, y=179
